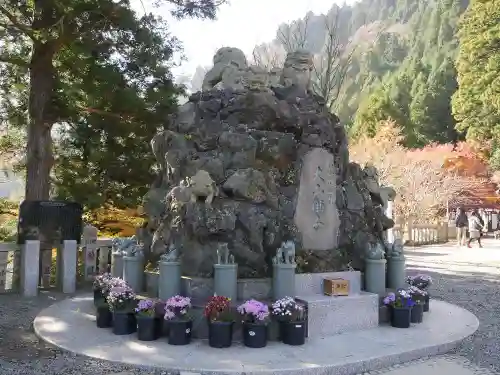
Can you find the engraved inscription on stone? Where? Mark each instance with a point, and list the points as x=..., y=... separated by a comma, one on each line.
x=316, y=214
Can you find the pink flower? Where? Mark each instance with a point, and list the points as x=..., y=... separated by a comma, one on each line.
x=254, y=310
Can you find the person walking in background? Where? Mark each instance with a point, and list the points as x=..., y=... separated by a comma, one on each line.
x=475, y=228
x=461, y=223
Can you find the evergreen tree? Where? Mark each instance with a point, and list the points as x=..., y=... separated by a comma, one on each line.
x=476, y=103
x=43, y=40
x=409, y=61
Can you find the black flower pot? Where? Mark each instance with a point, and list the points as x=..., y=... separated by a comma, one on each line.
x=98, y=297
x=220, y=334
x=401, y=317
x=293, y=333
x=124, y=323
x=417, y=313
x=148, y=328
x=104, y=317
x=254, y=335
x=427, y=301
x=159, y=326
x=179, y=332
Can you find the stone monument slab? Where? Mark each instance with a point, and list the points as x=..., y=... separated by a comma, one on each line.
x=316, y=213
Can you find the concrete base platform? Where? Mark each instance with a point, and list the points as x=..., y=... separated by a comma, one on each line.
x=70, y=325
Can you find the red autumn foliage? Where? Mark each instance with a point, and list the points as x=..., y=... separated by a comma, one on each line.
x=461, y=158
x=424, y=179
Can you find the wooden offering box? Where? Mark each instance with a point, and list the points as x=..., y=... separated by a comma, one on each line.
x=336, y=287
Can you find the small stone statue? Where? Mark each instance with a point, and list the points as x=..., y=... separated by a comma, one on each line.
x=172, y=255
x=285, y=254
x=289, y=252
x=126, y=246
x=280, y=255
x=202, y=185
x=223, y=255
x=396, y=249
x=138, y=250
x=375, y=252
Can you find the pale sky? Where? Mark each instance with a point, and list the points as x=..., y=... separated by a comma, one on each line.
x=241, y=24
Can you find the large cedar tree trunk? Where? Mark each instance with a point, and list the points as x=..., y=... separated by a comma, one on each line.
x=42, y=82
x=39, y=147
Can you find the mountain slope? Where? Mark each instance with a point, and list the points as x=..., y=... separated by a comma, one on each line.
x=402, y=66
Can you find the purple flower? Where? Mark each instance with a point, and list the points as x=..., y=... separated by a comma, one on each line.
x=402, y=298
x=287, y=309
x=391, y=297
x=121, y=298
x=254, y=311
x=177, y=307
x=101, y=281
x=146, y=307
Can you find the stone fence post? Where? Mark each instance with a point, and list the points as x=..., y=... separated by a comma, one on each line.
x=89, y=244
x=30, y=268
x=67, y=272
x=104, y=250
x=446, y=231
x=409, y=235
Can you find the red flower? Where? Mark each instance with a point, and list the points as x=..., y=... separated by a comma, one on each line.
x=218, y=308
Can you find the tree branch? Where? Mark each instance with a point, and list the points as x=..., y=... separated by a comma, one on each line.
x=15, y=22
x=13, y=60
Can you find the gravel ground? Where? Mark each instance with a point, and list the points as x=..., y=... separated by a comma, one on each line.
x=21, y=353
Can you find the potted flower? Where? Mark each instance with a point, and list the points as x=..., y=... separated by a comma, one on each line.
x=104, y=316
x=148, y=325
x=180, y=323
x=422, y=282
x=418, y=296
x=220, y=322
x=122, y=303
x=98, y=286
x=292, y=318
x=255, y=318
x=401, y=305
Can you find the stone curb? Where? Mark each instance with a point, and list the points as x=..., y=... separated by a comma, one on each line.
x=325, y=355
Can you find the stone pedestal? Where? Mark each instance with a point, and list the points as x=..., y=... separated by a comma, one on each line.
x=169, y=283
x=117, y=264
x=396, y=272
x=225, y=280
x=30, y=268
x=67, y=270
x=284, y=280
x=375, y=275
x=152, y=279
x=133, y=272
x=329, y=315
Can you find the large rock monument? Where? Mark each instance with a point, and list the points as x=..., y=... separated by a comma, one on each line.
x=256, y=159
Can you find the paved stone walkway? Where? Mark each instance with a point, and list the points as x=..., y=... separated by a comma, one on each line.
x=467, y=277
x=442, y=365
x=460, y=275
